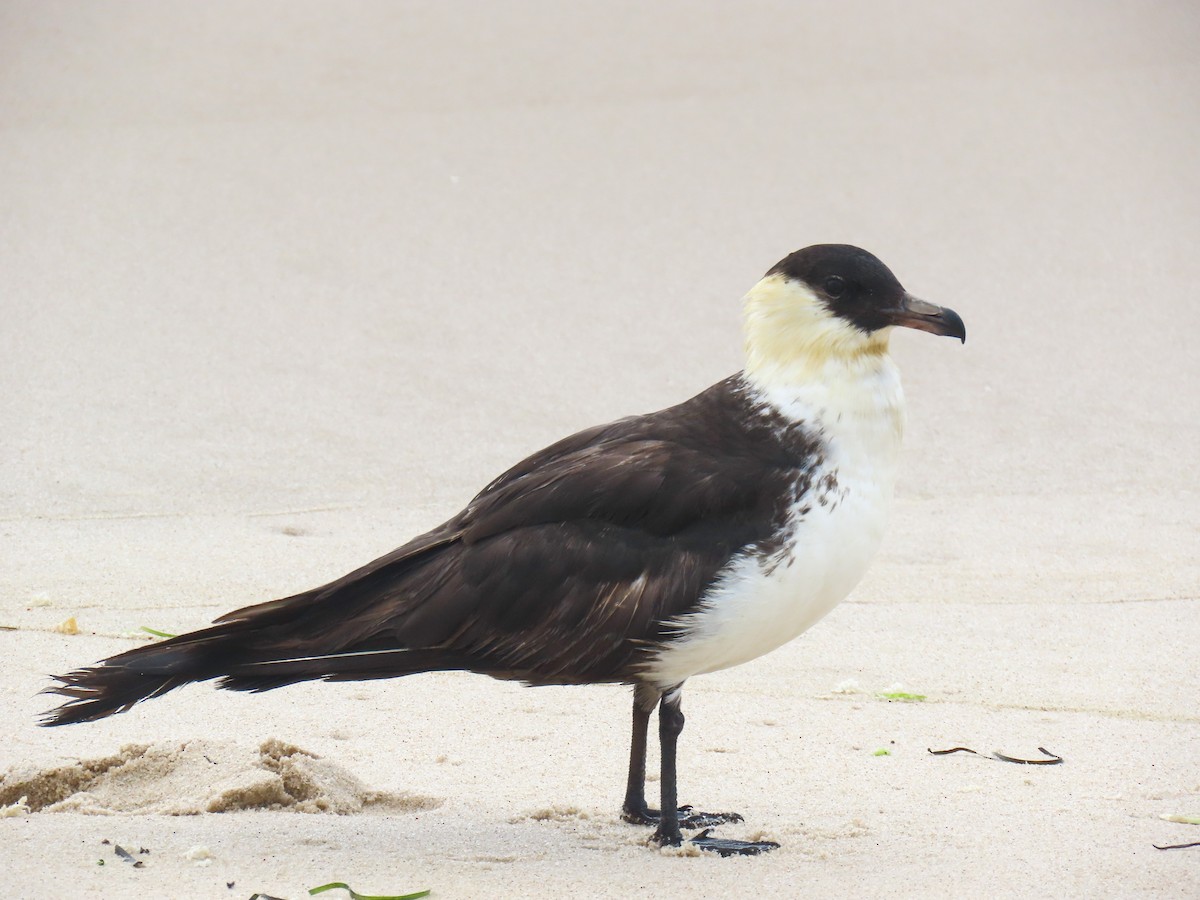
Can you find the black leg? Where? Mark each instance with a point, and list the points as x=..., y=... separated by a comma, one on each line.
x=634, y=809
x=670, y=725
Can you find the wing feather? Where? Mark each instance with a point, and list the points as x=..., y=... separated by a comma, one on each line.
x=567, y=567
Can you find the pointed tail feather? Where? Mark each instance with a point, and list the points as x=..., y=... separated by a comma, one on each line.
x=98, y=692
x=115, y=684
x=320, y=633
x=226, y=652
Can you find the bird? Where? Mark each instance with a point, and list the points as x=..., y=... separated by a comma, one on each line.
x=641, y=552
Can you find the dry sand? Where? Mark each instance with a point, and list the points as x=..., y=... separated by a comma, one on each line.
x=285, y=283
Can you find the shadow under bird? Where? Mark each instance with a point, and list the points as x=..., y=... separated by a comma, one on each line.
x=641, y=552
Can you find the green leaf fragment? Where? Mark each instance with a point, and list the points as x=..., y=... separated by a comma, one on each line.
x=1182, y=820
x=161, y=634
x=882, y=751
x=355, y=895
x=902, y=696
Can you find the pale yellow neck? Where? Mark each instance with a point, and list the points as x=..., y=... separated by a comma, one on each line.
x=793, y=339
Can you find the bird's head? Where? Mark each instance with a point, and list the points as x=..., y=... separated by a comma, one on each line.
x=831, y=303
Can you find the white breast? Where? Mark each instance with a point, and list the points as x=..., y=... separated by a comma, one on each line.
x=760, y=602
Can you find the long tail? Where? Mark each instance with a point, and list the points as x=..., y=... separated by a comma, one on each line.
x=236, y=654
x=114, y=685
x=339, y=633
x=312, y=635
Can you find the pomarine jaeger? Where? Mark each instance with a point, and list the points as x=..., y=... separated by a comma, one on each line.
x=640, y=552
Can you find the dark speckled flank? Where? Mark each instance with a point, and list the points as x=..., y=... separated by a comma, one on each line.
x=829, y=493
x=852, y=283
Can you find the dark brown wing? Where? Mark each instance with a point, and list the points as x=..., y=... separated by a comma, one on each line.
x=569, y=572
x=565, y=569
x=567, y=566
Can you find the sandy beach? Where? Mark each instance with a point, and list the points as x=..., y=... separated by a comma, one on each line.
x=286, y=283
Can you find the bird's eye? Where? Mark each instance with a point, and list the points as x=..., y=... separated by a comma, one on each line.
x=835, y=286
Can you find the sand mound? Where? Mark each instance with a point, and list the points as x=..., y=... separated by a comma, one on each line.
x=200, y=776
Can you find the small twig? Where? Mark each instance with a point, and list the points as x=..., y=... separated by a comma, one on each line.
x=1176, y=846
x=951, y=750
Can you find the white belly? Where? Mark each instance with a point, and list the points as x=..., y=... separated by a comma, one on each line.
x=760, y=602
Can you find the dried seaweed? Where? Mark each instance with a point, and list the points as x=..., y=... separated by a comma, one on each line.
x=1053, y=760
x=355, y=895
